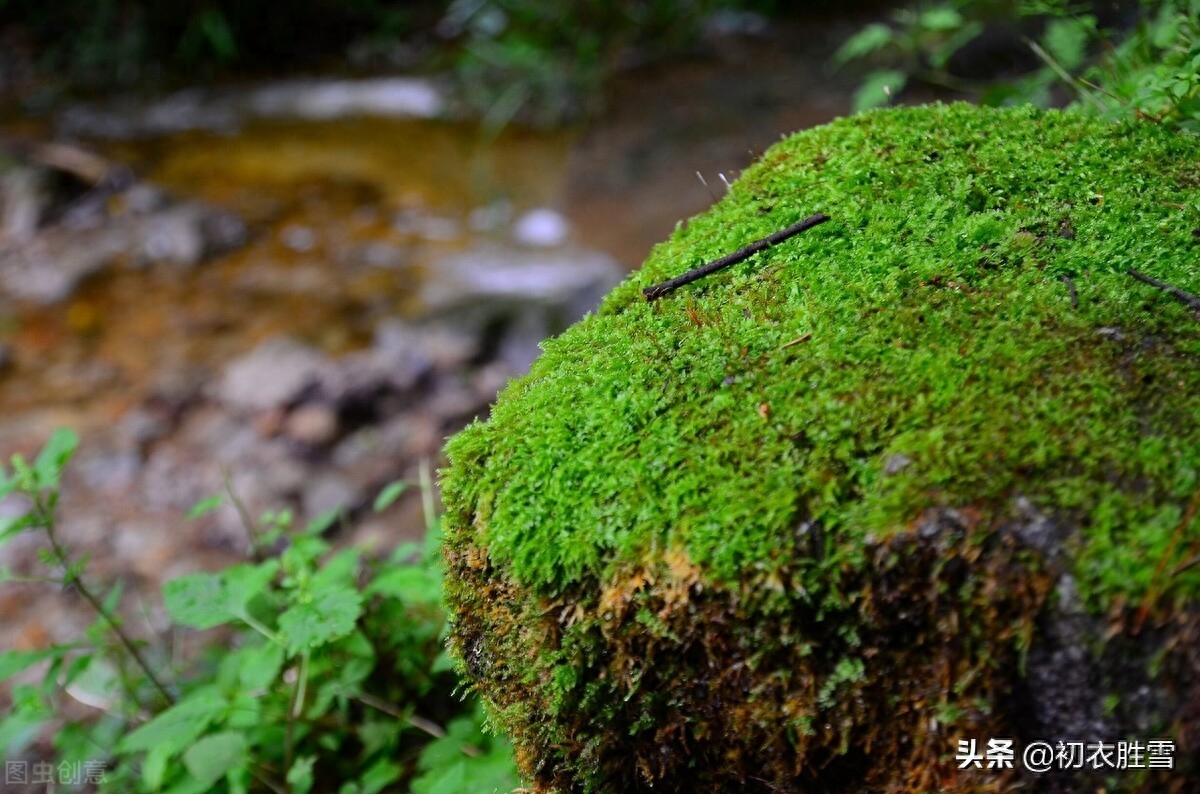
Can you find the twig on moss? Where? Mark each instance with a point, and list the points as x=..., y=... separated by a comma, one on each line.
x=658, y=290
x=1175, y=292
x=1071, y=289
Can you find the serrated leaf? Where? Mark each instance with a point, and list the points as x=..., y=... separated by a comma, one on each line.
x=204, y=600
x=341, y=569
x=870, y=39
x=447, y=769
x=48, y=466
x=878, y=89
x=410, y=584
x=178, y=726
x=330, y=613
x=205, y=506
x=210, y=758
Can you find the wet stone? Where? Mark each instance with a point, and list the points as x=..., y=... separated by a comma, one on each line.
x=330, y=491
x=314, y=425
x=272, y=375
x=541, y=228
x=444, y=345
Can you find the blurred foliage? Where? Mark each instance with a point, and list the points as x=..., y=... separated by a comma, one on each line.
x=328, y=671
x=102, y=43
x=541, y=62
x=549, y=61
x=1143, y=60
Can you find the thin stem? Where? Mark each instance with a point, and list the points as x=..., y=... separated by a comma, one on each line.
x=268, y=781
x=60, y=554
x=294, y=713
x=252, y=532
x=427, y=502
x=253, y=623
x=420, y=723
x=1064, y=75
x=658, y=290
x=1175, y=292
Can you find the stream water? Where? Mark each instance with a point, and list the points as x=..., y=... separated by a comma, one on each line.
x=373, y=281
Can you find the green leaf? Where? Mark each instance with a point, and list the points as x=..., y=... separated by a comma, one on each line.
x=48, y=466
x=300, y=776
x=13, y=662
x=324, y=521
x=940, y=19
x=410, y=584
x=341, y=569
x=11, y=527
x=259, y=666
x=447, y=769
x=154, y=766
x=325, y=616
x=205, y=506
x=389, y=494
x=178, y=726
x=1066, y=40
x=19, y=729
x=878, y=89
x=204, y=600
x=209, y=759
x=870, y=39
x=382, y=773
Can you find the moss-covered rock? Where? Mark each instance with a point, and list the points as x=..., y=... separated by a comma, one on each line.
x=918, y=476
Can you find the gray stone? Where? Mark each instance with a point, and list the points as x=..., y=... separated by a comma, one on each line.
x=272, y=375
x=573, y=280
x=444, y=345
x=328, y=492
x=313, y=424
x=541, y=228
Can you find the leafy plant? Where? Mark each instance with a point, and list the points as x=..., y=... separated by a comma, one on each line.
x=323, y=672
x=547, y=62
x=1151, y=70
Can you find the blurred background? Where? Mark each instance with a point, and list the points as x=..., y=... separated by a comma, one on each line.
x=287, y=249
x=303, y=248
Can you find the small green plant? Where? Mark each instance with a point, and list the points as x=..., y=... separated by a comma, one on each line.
x=324, y=672
x=1150, y=71
x=547, y=63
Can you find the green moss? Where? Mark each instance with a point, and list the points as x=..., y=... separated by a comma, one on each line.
x=941, y=330
x=723, y=453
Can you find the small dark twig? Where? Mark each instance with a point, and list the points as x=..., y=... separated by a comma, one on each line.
x=658, y=290
x=1183, y=297
x=1071, y=288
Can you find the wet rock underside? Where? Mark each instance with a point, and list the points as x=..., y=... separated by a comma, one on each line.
x=925, y=473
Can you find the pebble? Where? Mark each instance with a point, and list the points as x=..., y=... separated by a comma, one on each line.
x=313, y=424
x=270, y=376
x=541, y=228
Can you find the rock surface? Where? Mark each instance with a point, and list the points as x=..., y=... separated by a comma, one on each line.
x=812, y=522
